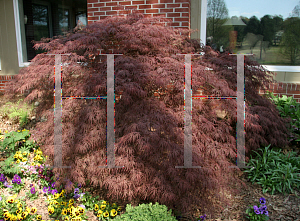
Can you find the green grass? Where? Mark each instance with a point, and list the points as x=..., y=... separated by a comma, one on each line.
x=269, y=57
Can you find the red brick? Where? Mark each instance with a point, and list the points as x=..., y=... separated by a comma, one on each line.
x=105, y=0
x=118, y=8
x=99, y=13
x=293, y=92
x=93, y=18
x=173, y=5
x=124, y=12
x=185, y=14
x=147, y=16
x=90, y=22
x=125, y=3
x=138, y=2
x=157, y=15
x=152, y=11
x=111, y=3
x=173, y=15
x=92, y=1
x=182, y=10
x=159, y=6
x=112, y=13
x=174, y=24
x=180, y=1
x=140, y=11
x=105, y=9
x=279, y=91
x=185, y=24
x=186, y=5
x=166, y=10
x=166, y=1
x=144, y=6
x=93, y=9
x=151, y=2
x=103, y=17
x=90, y=14
x=97, y=5
x=182, y=19
x=131, y=7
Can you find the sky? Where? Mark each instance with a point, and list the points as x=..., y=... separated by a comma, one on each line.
x=259, y=8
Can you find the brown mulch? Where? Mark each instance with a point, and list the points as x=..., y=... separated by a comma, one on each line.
x=280, y=207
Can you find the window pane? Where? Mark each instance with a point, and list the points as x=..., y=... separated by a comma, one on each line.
x=270, y=29
x=63, y=15
x=40, y=21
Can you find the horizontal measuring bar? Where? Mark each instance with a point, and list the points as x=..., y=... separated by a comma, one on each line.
x=208, y=97
x=104, y=97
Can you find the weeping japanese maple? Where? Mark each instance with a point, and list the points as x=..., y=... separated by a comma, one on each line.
x=149, y=116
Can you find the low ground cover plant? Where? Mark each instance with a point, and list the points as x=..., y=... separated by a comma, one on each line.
x=26, y=160
x=275, y=171
x=258, y=213
x=16, y=112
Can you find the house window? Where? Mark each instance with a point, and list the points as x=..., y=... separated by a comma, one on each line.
x=45, y=19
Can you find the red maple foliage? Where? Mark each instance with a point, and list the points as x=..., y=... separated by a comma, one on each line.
x=149, y=117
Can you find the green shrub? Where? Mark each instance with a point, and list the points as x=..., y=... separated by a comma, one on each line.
x=147, y=212
x=288, y=108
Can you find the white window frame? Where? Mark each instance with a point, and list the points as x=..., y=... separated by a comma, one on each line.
x=18, y=35
x=18, y=31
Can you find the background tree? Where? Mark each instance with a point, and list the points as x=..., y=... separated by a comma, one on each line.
x=217, y=14
x=290, y=44
x=267, y=28
x=149, y=136
x=296, y=11
x=253, y=26
x=241, y=29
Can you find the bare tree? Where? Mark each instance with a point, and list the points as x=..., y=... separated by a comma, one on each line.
x=217, y=13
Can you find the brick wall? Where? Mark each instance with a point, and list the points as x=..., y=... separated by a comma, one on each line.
x=3, y=80
x=177, y=10
x=288, y=89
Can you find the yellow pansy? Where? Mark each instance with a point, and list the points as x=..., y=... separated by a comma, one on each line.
x=102, y=207
x=19, y=217
x=10, y=200
x=106, y=214
x=119, y=209
x=24, y=214
x=113, y=212
x=39, y=217
x=50, y=210
x=24, y=159
x=19, y=210
x=18, y=131
x=96, y=207
x=99, y=213
x=64, y=211
x=33, y=210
